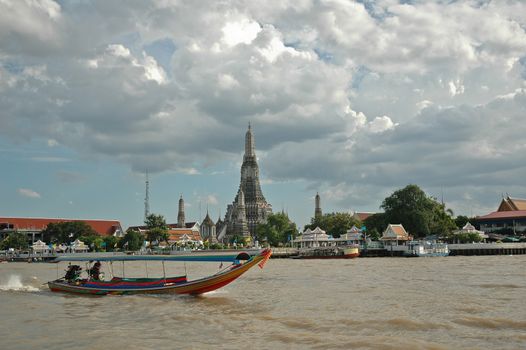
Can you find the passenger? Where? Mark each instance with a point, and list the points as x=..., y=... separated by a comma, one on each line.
x=73, y=273
x=95, y=271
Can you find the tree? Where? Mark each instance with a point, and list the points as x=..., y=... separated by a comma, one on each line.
x=335, y=224
x=468, y=237
x=15, y=240
x=132, y=240
x=68, y=231
x=111, y=243
x=419, y=214
x=461, y=220
x=277, y=230
x=375, y=225
x=157, y=228
x=95, y=242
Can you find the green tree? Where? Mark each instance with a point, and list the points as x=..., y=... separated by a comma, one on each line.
x=132, y=240
x=15, y=240
x=157, y=228
x=335, y=224
x=468, y=237
x=66, y=232
x=277, y=230
x=375, y=225
x=461, y=220
x=419, y=214
x=111, y=243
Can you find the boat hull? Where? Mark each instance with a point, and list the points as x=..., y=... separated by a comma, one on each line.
x=195, y=287
x=346, y=253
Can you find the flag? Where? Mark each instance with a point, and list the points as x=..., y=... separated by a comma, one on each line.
x=264, y=261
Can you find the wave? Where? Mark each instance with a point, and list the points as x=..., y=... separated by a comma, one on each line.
x=491, y=323
x=14, y=283
x=493, y=285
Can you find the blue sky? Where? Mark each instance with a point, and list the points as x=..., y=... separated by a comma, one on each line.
x=351, y=99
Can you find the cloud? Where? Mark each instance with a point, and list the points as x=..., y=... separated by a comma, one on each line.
x=371, y=94
x=70, y=177
x=25, y=192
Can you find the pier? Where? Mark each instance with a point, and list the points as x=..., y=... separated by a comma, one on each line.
x=397, y=251
x=487, y=249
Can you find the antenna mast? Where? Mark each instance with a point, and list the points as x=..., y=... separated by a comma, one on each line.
x=147, y=198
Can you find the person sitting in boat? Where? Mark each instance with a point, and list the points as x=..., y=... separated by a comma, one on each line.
x=94, y=272
x=73, y=273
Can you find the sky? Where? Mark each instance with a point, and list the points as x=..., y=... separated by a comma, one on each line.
x=351, y=99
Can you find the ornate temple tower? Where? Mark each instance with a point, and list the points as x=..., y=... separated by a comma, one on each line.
x=208, y=229
x=253, y=202
x=180, y=214
x=241, y=227
x=317, y=209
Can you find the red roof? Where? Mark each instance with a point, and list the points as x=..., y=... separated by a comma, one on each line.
x=102, y=227
x=503, y=215
x=362, y=216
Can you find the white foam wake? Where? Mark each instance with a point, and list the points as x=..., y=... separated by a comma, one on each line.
x=15, y=284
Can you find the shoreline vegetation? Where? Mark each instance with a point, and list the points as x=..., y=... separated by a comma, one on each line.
x=421, y=215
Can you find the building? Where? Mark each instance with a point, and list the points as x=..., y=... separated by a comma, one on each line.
x=249, y=207
x=178, y=233
x=361, y=216
x=313, y=239
x=510, y=217
x=352, y=236
x=208, y=230
x=469, y=229
x=395, y=234
x=33, y=227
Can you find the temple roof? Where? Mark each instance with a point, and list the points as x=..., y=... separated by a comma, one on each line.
x=516, y=214
x=395, y=231
x=512, y=204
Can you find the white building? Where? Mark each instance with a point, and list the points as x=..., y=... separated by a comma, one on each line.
x=314, y=239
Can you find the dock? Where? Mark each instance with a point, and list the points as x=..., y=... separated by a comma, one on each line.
x=466, y=249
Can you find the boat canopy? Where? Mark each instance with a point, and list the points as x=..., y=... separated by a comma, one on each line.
x=195, y=258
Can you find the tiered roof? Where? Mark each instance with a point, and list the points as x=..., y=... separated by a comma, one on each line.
x=509, y=208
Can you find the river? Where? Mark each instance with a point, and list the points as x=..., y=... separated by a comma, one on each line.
x=366, y=303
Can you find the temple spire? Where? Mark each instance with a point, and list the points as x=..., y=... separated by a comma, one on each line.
x=180, y=214
x=249, y=143
x=317, y=209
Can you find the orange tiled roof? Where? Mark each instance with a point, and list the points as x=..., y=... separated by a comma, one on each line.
x=102, y=227
x=512, y=204
x=176, y=235
x=398, y=230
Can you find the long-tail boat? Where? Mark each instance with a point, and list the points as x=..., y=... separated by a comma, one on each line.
x=72, y=283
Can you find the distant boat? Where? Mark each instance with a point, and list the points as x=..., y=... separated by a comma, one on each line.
x=426, y=248
x=332, y=252
x=72, y=283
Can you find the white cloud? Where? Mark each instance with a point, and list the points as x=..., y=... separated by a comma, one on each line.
x=240, y=31
x=381, y=124
x=388, y=89
x=25, y=192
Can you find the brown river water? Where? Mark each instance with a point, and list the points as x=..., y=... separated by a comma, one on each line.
x=366, y=303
